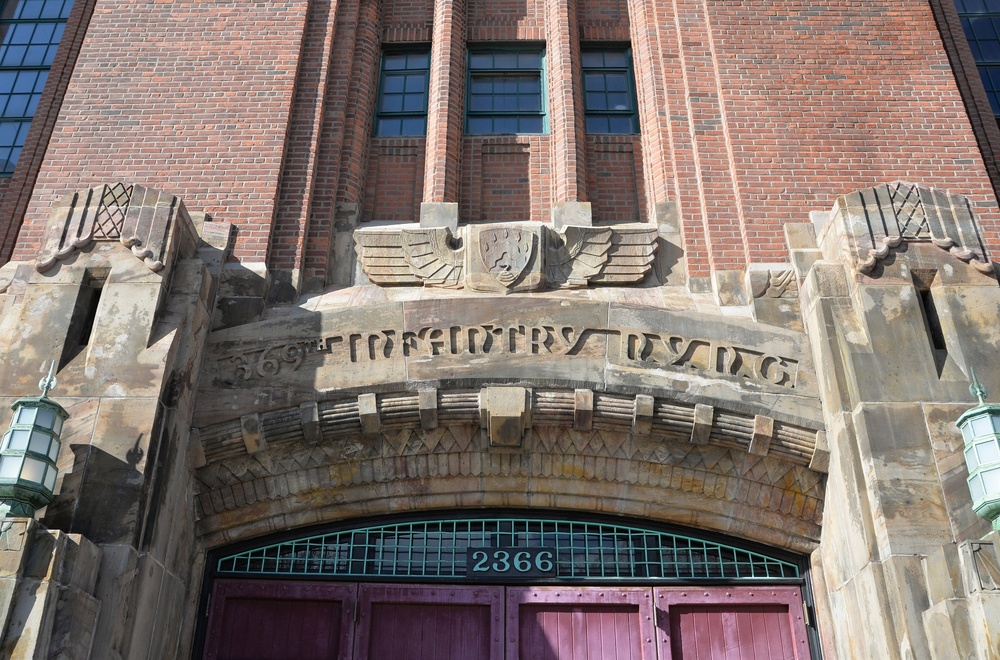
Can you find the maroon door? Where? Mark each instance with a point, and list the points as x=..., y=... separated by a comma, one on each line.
x=742, y=623
x=398, y=622
x=268, y=620
x=558, y=623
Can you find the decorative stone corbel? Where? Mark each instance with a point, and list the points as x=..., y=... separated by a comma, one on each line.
x=875, y=221
x=505, y=413
x=145, y=220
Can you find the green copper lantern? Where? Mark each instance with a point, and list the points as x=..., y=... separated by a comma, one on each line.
x=981, y=431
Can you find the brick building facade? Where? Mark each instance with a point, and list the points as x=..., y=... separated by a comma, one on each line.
x=714, y=273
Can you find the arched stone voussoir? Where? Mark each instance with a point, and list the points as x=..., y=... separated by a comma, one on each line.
x=764, y=498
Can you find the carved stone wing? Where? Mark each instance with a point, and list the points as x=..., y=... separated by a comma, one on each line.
x=633, y=248
x=576, y=255
x=434, y=256
x=382, y=257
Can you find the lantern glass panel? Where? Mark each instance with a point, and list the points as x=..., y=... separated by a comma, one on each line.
x=989, y=452
x=991, y=480
x=976, y=488
x=996, y=422
x=45, y=417
x=57, y=426
x=39, y=442
x=967, y=433
x=26, y=415
x=33, y=470
x=982, y=426
x=18, y=439
x=10, y=467
x=970, y=458
x=54, y=451
x=50, y=479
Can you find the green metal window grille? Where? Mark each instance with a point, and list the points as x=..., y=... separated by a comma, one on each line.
x=402, y=100
x=506, y=94
x=981, y=22
x=30, y=31
x=609, y=92
x=437, y=550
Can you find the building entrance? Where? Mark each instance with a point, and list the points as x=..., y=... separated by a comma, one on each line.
x=504, y=588
x=301, y=620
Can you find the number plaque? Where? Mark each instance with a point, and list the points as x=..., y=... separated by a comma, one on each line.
x=510, y=563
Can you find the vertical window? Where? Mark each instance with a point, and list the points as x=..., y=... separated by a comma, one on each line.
x=505, y=92
x=402, y=99
x=30, y=31
x=981, y=22
x=609, y=91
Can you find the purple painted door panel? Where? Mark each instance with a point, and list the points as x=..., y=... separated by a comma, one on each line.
x=268, y=620
x=400, y=622
x=741, y=623
x=555, y=623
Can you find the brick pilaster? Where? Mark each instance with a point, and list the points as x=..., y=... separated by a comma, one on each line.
x=565, y=89
x=446, y=102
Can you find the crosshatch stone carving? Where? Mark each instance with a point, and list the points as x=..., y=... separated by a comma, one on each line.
x=140, y=218
x=877, y=220
x=506, y=257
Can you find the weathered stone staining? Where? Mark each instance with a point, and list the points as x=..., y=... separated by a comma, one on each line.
x=508, y=257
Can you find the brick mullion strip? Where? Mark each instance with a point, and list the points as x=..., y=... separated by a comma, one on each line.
x=446, y=102
x=298, y=178
x=719, y=202
x=565, y=101
x=687, y=190
x=322, y=214
x=970, y=86
x=15, y=199
x=361, y=94
x=647, y=55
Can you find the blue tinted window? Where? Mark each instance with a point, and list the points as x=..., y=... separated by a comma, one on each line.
x=30, y=31
x=505, y=92
x=981, y=22
x=402, y=99
x=608, y=92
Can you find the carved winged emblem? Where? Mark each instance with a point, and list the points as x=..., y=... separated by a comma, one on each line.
x=506, y=252
x=426, y=255
x=576, y=255
x=435, y=256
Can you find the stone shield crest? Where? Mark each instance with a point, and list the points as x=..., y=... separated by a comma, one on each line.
x=506, y=252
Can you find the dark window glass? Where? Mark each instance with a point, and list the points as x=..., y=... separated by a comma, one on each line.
x=505, y=92
x=608, y=91
x=30, y=31
x=981, y=22
x=402, y=99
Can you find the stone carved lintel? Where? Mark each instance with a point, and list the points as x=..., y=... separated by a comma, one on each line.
x=505, y=413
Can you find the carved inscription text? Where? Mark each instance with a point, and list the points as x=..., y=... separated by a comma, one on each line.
x=626, y=347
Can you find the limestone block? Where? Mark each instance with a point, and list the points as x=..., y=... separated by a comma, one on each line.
x=943, y=574
x=949, y=630
x=253, y=434
x=578, y=214
x=729, y=287
x=907, y=599
x=141, y=620
x=439, y=214
x=802, y=245
x=583, y=410
x=243, y=287
x=196, y=450
x=763, y=433
x=311, y=432
x=820, y=460
x=427, y=402
x=72, y=634
x=642, y=418
x=371, y=422
x=116, y=590
x=704, y=420
x=506, y=414
x=906, y=499
x=504, y=258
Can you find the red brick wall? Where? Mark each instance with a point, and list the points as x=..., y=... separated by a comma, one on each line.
x=497, y=171
x=615, y=178
x=753, y=114
x=395, y=179
x=191, y=96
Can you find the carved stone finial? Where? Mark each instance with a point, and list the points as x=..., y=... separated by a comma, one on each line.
x=140, y=218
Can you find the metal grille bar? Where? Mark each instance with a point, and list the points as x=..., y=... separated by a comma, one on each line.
x=437, y=550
